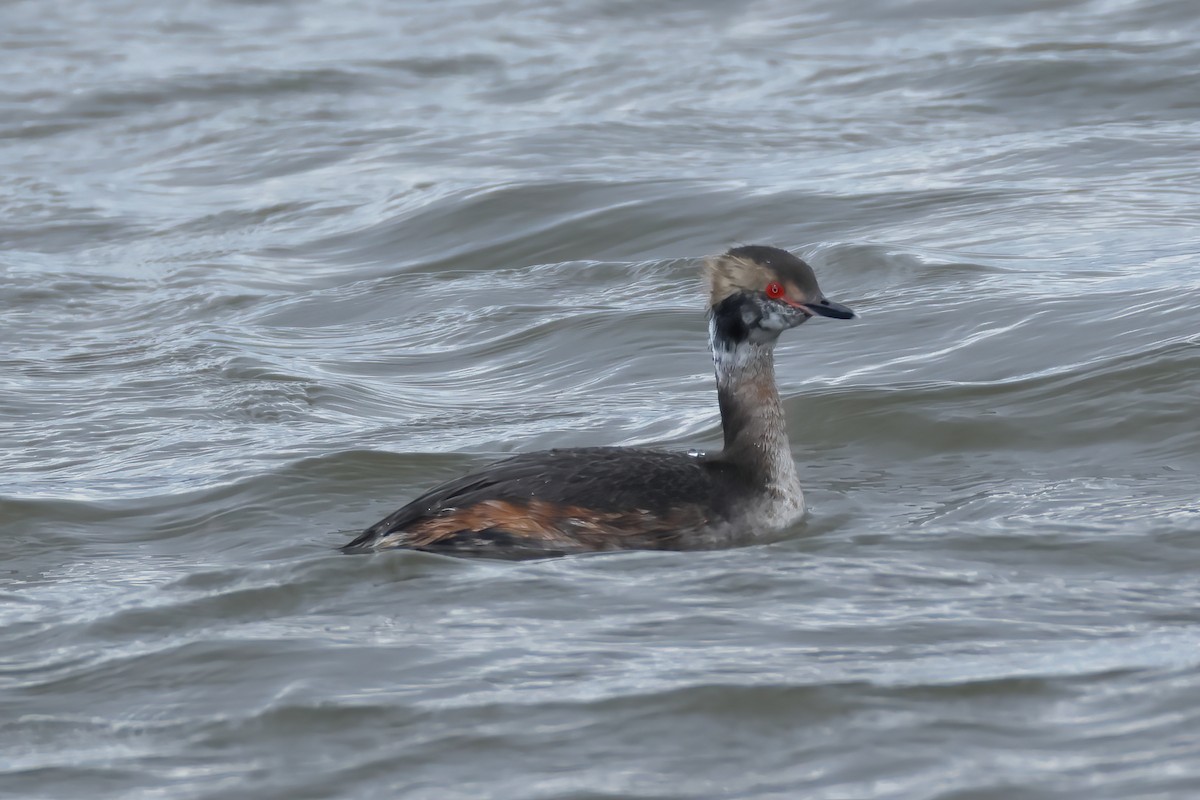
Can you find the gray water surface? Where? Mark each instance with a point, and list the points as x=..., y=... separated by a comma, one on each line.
x=271, y=269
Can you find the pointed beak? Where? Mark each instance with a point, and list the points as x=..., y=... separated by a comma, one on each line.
x=827, y=308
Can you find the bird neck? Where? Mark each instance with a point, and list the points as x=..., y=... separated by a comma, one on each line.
x=751, y=412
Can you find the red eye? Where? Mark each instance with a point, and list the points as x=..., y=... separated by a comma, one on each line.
x=774, y=290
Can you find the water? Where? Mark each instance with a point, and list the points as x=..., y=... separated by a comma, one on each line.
x=272, y=269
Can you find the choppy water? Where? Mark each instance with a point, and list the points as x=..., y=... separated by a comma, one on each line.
x=272, y=269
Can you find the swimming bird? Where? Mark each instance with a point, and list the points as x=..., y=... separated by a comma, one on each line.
x=564, y=501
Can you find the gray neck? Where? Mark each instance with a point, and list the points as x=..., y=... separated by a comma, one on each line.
x=751, y=411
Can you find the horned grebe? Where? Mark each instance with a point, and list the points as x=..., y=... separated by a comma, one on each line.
x=557, y=502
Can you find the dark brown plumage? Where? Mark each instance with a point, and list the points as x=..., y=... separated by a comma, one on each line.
x=564, y=501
